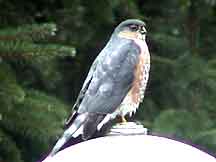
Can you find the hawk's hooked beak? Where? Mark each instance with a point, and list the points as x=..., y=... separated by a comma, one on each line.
x=132, y=35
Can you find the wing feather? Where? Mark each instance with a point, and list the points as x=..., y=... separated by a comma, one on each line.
x=111, y=79
x=83, y=90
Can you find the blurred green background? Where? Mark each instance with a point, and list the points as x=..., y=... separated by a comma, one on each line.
x=47, y=47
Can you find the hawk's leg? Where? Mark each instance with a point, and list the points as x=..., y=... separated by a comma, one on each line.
x=123, y=120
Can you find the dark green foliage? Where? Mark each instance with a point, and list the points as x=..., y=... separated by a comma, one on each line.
x=208, y=139
x=26, y=41
x=31, y=117
x=40, y=74
x=182, y=124
x=29, y=33
x=9, y=149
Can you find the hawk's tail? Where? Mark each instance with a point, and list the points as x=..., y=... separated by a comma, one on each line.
x=85, y=124
x=69, y=132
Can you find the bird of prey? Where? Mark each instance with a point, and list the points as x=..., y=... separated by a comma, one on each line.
x=115, y=84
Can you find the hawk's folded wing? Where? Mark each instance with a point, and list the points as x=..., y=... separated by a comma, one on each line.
x=111, y=79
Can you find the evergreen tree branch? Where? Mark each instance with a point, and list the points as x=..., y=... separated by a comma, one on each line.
x=9, y=150
x=28, y=33
x=21, y=49
x=10, y=91
x=163, y=60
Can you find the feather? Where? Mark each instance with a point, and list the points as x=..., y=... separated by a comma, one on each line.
x=68, y=133
x=91, y=123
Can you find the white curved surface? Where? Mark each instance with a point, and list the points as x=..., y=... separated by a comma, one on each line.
x=144, y=148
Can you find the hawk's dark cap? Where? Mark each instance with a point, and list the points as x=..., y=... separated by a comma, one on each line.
x=129, y=22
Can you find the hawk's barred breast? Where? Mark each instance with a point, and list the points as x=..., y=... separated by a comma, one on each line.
x=141, y=74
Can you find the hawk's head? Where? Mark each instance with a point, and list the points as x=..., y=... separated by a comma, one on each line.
x=131, y=29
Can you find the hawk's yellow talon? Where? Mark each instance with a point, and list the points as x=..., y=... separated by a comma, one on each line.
x=123, y=120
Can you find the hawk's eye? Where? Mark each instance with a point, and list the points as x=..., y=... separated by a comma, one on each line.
x=134, y=27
